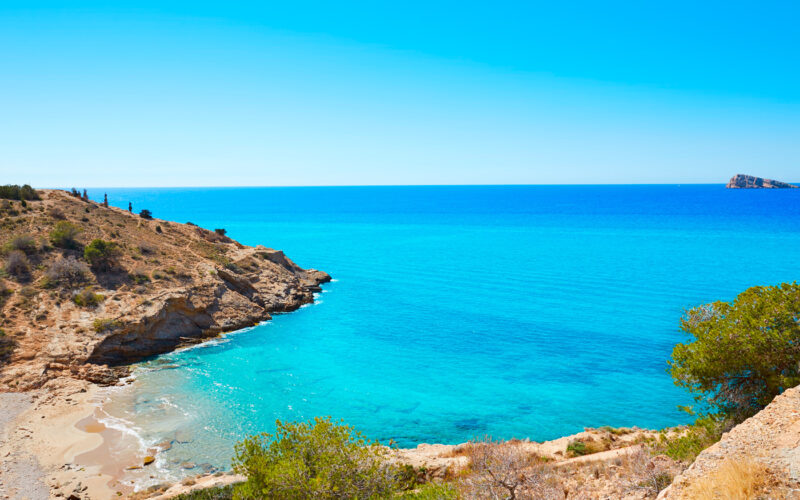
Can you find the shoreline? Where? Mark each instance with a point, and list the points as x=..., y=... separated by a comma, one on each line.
x=58, y=443
x=42, y=441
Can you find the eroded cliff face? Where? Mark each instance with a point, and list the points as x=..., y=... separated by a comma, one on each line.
x=741, y=181
x=765, y=446
x=172, y=285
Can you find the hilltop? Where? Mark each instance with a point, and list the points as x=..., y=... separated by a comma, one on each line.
x=86, y=288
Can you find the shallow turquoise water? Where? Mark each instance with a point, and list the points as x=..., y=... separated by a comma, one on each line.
x=515, y=311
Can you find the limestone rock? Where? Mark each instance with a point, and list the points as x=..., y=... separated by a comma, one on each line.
x=741, y=181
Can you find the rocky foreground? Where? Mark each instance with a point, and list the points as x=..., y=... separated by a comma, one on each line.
x=741, y=181
x=761, y=455
x=164, y=285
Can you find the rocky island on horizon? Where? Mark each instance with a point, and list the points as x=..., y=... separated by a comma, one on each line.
x=742, y=181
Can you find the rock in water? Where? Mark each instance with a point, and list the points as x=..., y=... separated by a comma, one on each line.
x=741, y=181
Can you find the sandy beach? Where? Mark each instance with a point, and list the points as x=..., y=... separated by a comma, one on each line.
x=40, y=444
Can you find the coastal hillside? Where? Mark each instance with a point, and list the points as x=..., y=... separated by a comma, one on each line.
x=87, y=288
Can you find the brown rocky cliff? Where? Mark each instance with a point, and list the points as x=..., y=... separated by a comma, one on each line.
x=173, y=284
x=741, y=181
x=771, y=439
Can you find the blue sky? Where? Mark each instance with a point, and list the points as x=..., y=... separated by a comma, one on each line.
x=332, y=93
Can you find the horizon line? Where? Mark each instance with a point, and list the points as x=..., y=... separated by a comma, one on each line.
x=395, y=185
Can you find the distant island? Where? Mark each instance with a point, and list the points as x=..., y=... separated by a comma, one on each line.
x=741, y=181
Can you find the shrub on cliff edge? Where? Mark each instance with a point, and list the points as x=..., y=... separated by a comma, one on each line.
x=743, y=353
x=319, y=459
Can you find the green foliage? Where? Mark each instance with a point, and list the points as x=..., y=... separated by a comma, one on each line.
x=319, y=459
x=105, y=324
x=63, y=235
x=7, y=345
x=743, y=353
x=101, y=255
x=432, y=491
x=577, y=448
x=17, y=192
x=221, y=231
x=697, y=437
x=219, y=493
x=146, y=214
x=87, y=298
x=139, y=276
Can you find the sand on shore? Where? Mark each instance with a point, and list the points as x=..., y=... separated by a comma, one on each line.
x=40, y=442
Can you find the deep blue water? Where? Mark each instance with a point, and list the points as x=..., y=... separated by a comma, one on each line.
x=515, y=311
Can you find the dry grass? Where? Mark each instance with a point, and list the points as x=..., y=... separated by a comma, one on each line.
x=734, y=480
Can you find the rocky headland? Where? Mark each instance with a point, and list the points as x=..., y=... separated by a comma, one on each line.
x=161, y=285
x=741, y=181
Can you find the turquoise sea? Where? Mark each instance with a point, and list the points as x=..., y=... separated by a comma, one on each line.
x=514, y=311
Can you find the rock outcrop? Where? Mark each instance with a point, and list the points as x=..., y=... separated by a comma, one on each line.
x=741, y=181
x=770, y=439
x=171, y=285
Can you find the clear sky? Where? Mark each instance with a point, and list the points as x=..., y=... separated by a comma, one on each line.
x=167, y=93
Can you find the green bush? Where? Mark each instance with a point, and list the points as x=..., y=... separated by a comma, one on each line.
x=87, y=298
x=105, y=324
x=218, y=493
x=577, y=448
x=139, y=276
x=743, y=353
x=697, y=437
x=7, y=345
x=16, y=192
x=146, y=214
x=63, y=235
x=101, y=255
x=432, y=491
x=319, y=459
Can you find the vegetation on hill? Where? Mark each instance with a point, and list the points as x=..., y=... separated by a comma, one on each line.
x=16, y=192
x=314, y=460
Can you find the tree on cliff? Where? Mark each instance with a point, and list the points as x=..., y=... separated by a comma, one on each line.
x=743, y=353
x=101, y=255
x=105, y=200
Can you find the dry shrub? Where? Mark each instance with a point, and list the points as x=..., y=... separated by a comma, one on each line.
x=733, y=480
x=24, y=243
x=647, y=472
x=68, y=272
x=56, y=213
x=17, y=264
x=504, y=470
